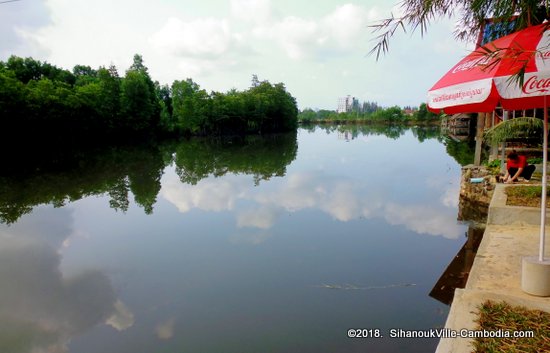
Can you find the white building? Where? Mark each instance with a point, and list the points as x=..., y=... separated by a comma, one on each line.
x=345, y=104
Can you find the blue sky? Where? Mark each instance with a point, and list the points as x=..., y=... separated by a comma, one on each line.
x=318, y=49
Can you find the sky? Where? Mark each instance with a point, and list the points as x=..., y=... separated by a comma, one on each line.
x=318, y=49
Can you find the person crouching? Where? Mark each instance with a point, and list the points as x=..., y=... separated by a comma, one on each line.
x=516, y=167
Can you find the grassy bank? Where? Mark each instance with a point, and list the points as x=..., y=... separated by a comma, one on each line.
x=504, y=318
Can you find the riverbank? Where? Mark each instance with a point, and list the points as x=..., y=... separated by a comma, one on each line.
x=511, y=233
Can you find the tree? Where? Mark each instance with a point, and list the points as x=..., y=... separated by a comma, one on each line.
x=40, y=99
x=271, y=108
x=424, y=114
x=138, y=65
x=307, y=115
x=255, y=81
x=91, y=103
x=139, y=103
x=24, y=69
x=13, y=103
x=185, y=105
x=164, y=96
x=370, y=107
x=110, y=94
x=136, y=101
x=84, y=70
x=84, y=74
x=419, y=14
x=28, y=69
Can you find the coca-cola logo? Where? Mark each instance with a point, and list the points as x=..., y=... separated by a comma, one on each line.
x=470, y=64
x=534, y=84
x=542, y=59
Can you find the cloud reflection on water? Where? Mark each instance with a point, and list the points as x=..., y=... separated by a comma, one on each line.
x=342, y=198
x=165, y=330
x=39, y=307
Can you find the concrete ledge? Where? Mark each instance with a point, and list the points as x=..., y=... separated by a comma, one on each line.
x=500, y=213
x=495, y=275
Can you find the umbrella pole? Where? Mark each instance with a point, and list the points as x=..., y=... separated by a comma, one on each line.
x=535, y=272
x=543, y=198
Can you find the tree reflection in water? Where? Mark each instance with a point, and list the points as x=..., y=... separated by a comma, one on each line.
x=65, y=175
x=60, y=177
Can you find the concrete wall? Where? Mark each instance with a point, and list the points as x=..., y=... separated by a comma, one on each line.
x=500, y=213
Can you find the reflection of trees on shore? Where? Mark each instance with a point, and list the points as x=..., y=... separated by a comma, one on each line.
x=461, y=151
x=112, y=171
x=392, y=131
x=59, y=177
x=423, y=133
x=260, y=156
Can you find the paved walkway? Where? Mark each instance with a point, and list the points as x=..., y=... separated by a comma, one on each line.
x=495, y=275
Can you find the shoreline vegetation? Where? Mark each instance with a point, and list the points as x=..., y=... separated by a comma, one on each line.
x=371, y=113
x=41, y=103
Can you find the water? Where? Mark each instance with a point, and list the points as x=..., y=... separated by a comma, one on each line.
x=276, y=244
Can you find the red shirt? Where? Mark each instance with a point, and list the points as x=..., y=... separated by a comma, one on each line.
x=521, y=162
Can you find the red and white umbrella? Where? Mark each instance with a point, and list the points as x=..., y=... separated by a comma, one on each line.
x=476, y=85
x=480, y=83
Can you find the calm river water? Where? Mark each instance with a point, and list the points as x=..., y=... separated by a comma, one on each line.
x=276, y=244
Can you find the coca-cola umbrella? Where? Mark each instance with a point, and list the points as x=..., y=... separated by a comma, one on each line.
x=488, y=77
x=481, y=81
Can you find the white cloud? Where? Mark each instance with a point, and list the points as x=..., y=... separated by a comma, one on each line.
x=256, y=11
x=337, y=197
x=450, y=196
x=201, y=47
x=449, y=191
x=337, y=32
x=297, y=36
x=101, y=33
x=262, y=218
x=344, y=199
x=346, y=24
x=207, y=195
x=342, y=202
x=299, y=193
x=201, y=37
x=422, y=219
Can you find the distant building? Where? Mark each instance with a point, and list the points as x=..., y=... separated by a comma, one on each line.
x=347, y=104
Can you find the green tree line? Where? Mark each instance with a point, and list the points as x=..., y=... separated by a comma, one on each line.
x=38, y=99
x=372, y=113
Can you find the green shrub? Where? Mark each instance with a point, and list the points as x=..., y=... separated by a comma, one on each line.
x=534, y=160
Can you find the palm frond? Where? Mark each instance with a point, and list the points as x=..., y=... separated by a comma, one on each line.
x=514, y=128
x=418, y=15
x=387, y=27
